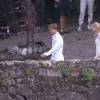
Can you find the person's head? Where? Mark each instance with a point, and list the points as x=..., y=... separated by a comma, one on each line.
x=53, y=28
x=96, y=27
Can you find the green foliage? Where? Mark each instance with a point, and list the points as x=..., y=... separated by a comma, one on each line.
x=66, y=72
x=28, y=72
x=41, y=64
x=86, y=74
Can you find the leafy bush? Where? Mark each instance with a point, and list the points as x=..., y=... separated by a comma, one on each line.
x=66, y=72
x=86, y=74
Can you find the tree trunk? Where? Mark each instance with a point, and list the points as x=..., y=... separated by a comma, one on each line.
x=30, y=14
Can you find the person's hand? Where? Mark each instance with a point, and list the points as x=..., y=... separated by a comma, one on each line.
x=43, y=55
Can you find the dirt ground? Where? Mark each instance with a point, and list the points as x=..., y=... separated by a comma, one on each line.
x=76, y=44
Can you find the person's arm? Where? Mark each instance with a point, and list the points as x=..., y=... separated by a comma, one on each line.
x=55, y=47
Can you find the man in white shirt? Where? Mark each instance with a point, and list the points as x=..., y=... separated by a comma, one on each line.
x=56, y=51
x=83, y=5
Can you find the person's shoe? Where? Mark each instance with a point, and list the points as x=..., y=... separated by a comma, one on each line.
x=79, y=29
x=89, y=27
x=62, y=31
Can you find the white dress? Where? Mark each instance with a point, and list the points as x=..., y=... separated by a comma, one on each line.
x=97, y=43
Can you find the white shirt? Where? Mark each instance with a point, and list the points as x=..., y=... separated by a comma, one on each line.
x=56, y=51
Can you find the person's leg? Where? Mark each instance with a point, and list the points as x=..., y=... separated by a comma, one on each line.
x=83, y=4
x=62, y=22
x=49, y=8
x=57, y=15
x=64, y=14
x=90, y=12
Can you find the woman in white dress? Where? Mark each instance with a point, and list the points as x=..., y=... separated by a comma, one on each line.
x=96, y=29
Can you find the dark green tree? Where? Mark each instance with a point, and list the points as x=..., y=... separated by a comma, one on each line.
x=6, y=11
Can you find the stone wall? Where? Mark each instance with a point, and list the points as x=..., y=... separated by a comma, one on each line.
x=42, y=80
